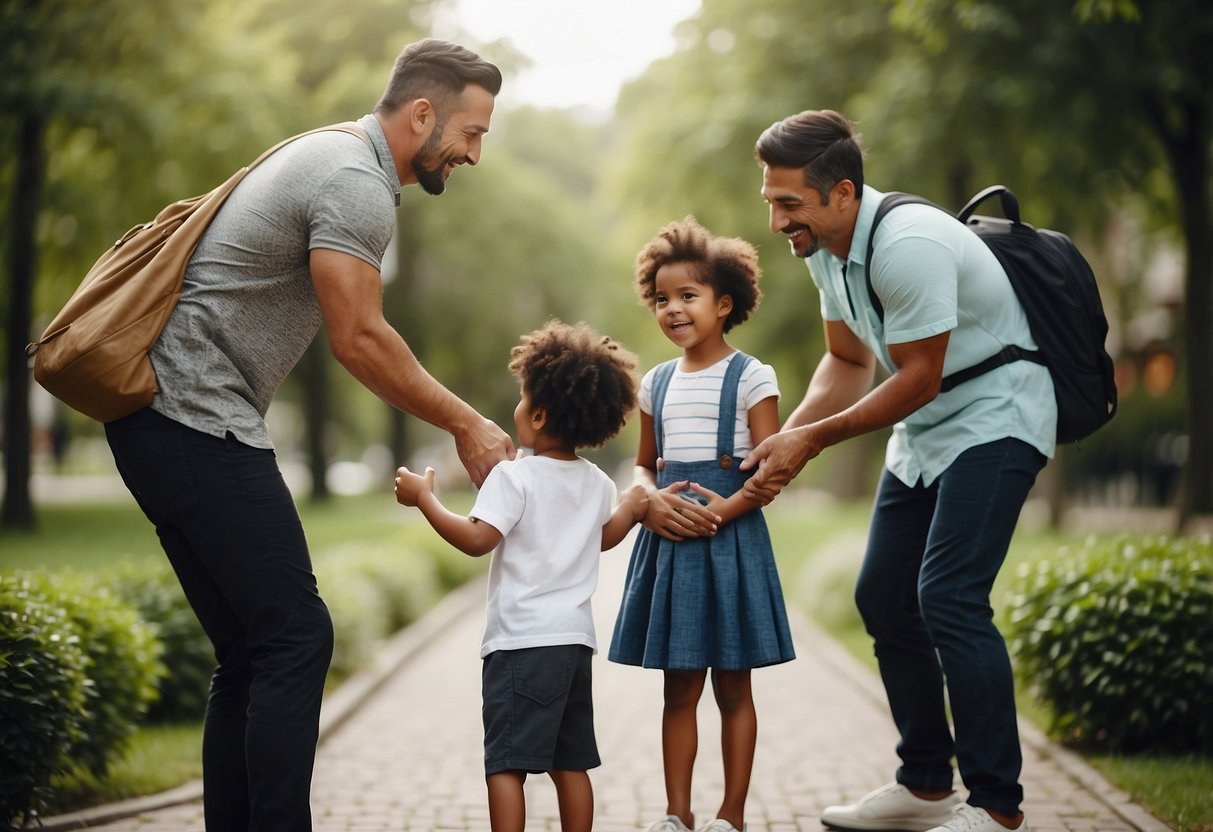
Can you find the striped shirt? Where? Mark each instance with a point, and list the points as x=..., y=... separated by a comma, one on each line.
x=692, y=408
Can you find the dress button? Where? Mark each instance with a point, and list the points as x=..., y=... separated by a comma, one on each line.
x=726, y=461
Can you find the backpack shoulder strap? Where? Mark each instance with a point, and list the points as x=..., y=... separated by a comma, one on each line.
x=891, y=200
x=351, y=127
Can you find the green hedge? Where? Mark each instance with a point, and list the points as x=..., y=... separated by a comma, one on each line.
x=78, y=669
x=153, y=590
x=123, y=666
x=86, y=658
x=1117, y=639
x=374, y=591
x=43, y=696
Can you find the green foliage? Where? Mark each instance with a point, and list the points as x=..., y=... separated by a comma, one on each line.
x=44, y=695
x=374, y=590
x=153, y=589
x=360, y=612
x=159, y=758
x=1174, y=788
x=123, y=664
x=1117, y=638
x=120, y=668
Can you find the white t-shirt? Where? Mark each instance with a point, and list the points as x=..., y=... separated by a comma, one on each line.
x=550, y=513
x=692, y=408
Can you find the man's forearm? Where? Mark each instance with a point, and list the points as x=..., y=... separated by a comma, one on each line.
x=835, y=386
x=381, y=360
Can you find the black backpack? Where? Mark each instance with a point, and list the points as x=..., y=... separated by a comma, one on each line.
x=1059, y=294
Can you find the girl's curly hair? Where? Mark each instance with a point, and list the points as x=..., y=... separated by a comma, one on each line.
x=728, y=264
x=585, y=381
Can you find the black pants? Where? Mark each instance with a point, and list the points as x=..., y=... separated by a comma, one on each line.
x=230, y=529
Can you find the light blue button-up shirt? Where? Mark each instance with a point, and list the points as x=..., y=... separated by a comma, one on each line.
x=934, y=275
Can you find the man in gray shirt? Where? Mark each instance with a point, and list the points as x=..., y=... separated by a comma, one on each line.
x=298, y=243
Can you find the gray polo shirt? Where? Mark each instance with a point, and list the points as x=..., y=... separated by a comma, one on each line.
x=248, y=308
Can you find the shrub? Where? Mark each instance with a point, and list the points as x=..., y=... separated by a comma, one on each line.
x=189, y=658
x=123, y=665
x=43, y=696
x=360, y=616
x=374, y=591
x=1117, y=638
x=451, y=567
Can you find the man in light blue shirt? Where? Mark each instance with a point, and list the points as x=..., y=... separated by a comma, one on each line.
x=958, y=466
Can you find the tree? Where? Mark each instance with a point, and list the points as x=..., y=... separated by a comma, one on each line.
x=79, y=131
x=1127, y=92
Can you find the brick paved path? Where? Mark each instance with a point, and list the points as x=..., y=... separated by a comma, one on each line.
x=409, y=756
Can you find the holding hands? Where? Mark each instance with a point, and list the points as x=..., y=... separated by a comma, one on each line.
x=635, y=499
x=676, y=517
x=480, y=447
x=776, y=462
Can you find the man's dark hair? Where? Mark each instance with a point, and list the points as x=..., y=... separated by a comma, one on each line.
x=585, y=381
x=822, y=142
x=437, y=70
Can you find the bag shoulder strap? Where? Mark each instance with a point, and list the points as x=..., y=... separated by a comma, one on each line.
x=891, y=200
x=351, y=127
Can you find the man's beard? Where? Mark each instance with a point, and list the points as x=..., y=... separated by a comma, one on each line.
x=815, y=245
x=431, y=181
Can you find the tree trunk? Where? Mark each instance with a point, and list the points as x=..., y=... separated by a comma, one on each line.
x=18, y=509
x=1192, y=168
x=313, y=378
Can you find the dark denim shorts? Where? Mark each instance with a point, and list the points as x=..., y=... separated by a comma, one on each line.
x=539, y=710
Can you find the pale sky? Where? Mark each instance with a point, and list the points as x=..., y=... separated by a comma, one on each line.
x=583, y=50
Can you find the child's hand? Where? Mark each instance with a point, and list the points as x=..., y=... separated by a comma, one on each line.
x=636, y=500
x=675, y=517
x=715, y=503
x=410, y=487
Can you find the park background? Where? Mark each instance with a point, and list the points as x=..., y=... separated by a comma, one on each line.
x=1097, y=113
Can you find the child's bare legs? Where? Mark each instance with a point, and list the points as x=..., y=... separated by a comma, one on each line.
x=680, y=738
x=738, y=736
x=575, y=796
x=507, y=803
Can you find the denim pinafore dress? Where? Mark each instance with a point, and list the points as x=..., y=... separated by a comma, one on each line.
x=708, y=601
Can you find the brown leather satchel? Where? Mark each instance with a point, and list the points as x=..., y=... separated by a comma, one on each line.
x=93, y=355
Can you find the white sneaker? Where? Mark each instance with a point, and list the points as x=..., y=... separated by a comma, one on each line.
x=670, y=823
x=892, y=807
x=722, y=825
x=966, y=818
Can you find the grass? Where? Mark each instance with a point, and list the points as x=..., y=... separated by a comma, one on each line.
x=160, y=757
x=819, y=544
x=1175, y=788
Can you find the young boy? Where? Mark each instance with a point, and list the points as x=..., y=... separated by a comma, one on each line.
x=548, y=514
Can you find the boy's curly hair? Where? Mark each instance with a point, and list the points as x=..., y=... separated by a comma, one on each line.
x=728, y=264
x=585, y=381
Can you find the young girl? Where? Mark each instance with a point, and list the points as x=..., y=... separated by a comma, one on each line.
x=695, y=602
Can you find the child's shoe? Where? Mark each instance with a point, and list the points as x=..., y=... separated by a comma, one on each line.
x=722, y=825
x=670, y=823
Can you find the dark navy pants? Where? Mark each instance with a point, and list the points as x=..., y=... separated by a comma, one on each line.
x=924, y=593
x=231, y=531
